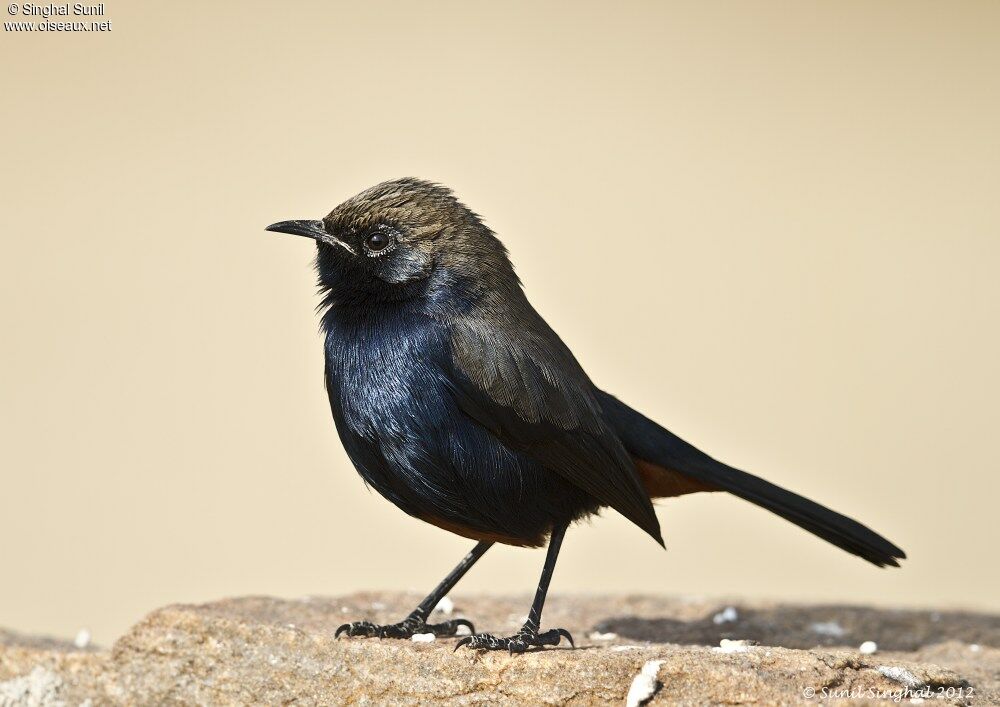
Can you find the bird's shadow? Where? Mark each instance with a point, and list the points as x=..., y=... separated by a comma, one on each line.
x=793, y=626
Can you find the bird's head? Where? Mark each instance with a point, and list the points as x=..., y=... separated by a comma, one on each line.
x=403, y=239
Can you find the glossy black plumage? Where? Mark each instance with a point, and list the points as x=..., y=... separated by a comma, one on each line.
x=458, y=403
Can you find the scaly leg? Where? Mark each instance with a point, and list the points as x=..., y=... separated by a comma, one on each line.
x=528, y=636
x=416, y=622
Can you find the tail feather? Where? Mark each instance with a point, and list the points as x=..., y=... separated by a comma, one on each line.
x=646, y=440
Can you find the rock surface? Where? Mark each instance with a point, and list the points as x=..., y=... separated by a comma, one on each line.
x=259, y=650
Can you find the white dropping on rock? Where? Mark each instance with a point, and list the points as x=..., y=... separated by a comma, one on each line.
x=644, y=684
x=727, y=615
x=828, y=628
x=445, y=606
x=740, y=646
x=423, y=638
x=974, y=647
x=868, y=647
x=463, y=630
x=598, y=636
x=900, y=675
x=82, y=639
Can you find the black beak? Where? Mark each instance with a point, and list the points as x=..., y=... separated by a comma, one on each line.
x=309, y=229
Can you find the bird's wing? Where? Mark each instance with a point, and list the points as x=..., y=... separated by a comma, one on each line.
x=524, y=386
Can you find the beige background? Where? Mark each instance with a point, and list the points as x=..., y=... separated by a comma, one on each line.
x=771, y=226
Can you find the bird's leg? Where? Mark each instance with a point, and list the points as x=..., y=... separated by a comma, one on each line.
x=416, y=622
x=529, y=635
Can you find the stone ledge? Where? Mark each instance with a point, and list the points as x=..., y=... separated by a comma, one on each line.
x=259, y=650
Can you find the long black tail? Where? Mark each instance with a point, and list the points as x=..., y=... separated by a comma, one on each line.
x=646, y=440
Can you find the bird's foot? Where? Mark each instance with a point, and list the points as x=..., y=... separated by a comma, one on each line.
x=527, y=637
x=412, y=624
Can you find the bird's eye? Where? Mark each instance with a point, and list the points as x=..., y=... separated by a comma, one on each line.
x=378, y=241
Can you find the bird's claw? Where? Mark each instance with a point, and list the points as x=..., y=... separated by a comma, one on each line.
x=519, y=643
x=449, y=628
x=404, y=629
x=358, y=628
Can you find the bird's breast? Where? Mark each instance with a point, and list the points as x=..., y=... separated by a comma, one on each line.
x=378, y=376
x=405, y=434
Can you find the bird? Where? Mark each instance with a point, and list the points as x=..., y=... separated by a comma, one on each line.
x=457, y=402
